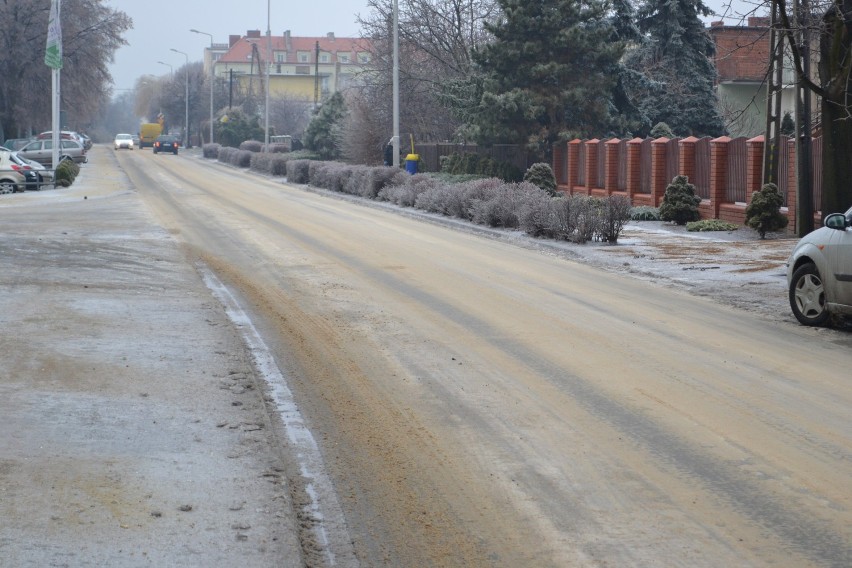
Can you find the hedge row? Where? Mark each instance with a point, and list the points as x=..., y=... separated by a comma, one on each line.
x=490, y=201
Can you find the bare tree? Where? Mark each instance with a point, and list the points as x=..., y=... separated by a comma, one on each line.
x=91, y=32
x=437, y=38
x=290, y=114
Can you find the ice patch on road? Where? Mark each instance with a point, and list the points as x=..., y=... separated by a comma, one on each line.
x=323, y=508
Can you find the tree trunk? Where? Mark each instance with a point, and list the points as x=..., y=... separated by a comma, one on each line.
x=835, y=70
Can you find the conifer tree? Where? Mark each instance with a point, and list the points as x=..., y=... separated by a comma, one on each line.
x=677, y=55
x=549, y=71
x=323, y=133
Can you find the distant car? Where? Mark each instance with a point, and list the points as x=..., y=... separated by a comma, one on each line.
x=166, y=143
x=87, y=142
x=123, y=141
x=42, y=151
x=12, y=179
x=819, y=272
x=137, y=142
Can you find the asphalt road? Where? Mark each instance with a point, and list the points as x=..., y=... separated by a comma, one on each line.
x=476, y=403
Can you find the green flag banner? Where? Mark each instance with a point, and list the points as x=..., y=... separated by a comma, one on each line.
x=53, y=53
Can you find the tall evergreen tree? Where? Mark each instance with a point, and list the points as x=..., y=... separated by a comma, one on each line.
x=677, y=56
x=324, y=131
x=547, y=73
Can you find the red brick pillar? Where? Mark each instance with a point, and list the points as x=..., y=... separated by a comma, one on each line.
x=658, y=170
x=573, y=159
x=754, y=165
x=718, y=173
x=634, y=167
x=592, y=165
x=611, y=179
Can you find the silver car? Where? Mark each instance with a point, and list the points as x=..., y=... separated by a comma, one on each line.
x=819, y=272
x=11, y=177
x=42, y=151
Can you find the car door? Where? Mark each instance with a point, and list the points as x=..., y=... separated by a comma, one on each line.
x=34, y=151
x=840, y=260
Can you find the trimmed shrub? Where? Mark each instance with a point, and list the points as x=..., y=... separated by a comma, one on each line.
x=241, y=158
x=763, y=214
x=278, y=165
x=251, y=146
x=210, y=151
x=680, y=204
x=225, y=153
x=260, y=162
x=65, y=174
x=710, y=225
x=479, y=165
x=541, y=175
x=645, y=213
x=298, y=171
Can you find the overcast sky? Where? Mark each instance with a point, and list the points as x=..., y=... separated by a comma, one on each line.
x=159, y=25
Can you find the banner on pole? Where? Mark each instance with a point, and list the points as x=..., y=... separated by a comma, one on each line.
x=53, y=53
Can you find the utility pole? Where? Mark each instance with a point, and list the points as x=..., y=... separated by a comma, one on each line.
x=772, y=140
x=804, y=194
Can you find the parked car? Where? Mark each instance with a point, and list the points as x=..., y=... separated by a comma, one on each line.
x=166, y=143
x=123, y=141
x=15, y=144
x=42, y=151
x=137, y=142
x=87, y=142
x=64, y=135
x=37, y=175
x=12, y=179
x=819, y=272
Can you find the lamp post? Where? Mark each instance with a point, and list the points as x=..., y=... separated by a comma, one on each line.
x=171, y=69
x=212, y=78
x=186, y=73
x=268, y=65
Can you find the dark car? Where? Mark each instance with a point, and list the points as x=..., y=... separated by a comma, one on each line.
x=29, y=170
x=166, y=143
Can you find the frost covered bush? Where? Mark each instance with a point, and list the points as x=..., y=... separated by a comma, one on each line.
x=210, y=151
x=680, y=204
x=500, y=205
x=406, y=194
x=380, y=177
x=241, y=158
x=260, y=163
x=278, y=165
x=710, y=225
x=251, y=146
x=224, y=154
x=615, y=212
x=298, y=171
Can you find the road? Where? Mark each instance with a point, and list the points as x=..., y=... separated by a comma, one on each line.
x=480, y=404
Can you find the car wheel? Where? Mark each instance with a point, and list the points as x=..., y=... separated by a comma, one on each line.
x=807, y=296
x=7, y=186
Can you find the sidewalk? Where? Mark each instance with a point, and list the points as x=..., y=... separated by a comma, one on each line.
x=135, y=432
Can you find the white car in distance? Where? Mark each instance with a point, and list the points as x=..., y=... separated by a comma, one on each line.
x=123, y=141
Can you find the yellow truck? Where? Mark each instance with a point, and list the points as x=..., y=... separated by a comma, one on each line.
x=148, y=132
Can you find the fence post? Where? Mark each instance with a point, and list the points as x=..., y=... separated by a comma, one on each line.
x=754, y=165
x=658, y=170
x=634, y=167
x=573, y=160
x=687, y=158
x=718, y=173
x=559, y=149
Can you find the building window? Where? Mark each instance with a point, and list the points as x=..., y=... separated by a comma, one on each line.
x=363, y=58
x=304, y=57
x=280, y=56
x=324, y=58
x=343, y=57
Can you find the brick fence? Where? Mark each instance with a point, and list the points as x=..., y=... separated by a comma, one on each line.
x=725, y=171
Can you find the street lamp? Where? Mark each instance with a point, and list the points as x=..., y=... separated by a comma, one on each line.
x=268, y=65
x=171, y=69
x=186, y=122
x=212, y=79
